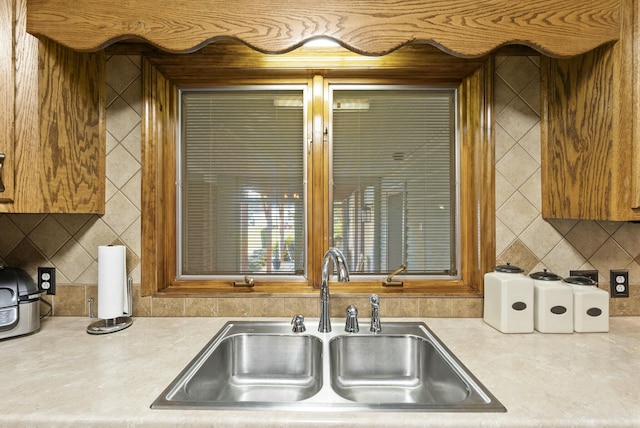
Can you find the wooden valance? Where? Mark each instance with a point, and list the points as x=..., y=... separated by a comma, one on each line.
x=465, y=28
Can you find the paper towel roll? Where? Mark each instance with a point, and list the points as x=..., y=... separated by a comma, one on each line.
x=112, y=280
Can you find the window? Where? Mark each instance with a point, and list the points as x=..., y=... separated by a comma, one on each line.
x=394, y=172
x=241, y=187
x=256, y=174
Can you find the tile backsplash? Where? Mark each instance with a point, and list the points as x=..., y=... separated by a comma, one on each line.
x=523, y=237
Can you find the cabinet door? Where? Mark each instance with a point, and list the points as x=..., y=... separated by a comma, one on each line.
x=590, y=146
x=6, y=100
x=55, y=151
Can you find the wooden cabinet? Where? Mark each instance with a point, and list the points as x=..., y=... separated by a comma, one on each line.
x=52, y=128
x=6, y=101
x=591, y=129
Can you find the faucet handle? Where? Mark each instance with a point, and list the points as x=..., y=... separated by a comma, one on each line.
x=375, y=314
x=351, y=325
x=298, y=324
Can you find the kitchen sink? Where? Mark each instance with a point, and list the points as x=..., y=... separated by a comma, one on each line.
x=264, y=365
x=249, y=363
x=394, y=369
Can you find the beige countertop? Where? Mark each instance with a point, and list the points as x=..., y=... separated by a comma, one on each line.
x=62, y=376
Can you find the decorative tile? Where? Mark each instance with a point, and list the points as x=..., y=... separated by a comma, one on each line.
x=503, y=189
x=133, y=189
x=73, y=222
x=111, y=143
x=503, y=142
x=122, y=119
x=307, y=306
x=467, y=308
x=339, y=306
x=267, y=307
x=233, y=307
x=517, y=166
x=121, y=166
x=532, y=191
x=611, y=255
x=89, y=276
x=398, y=307
x=201, y=307
x=518, y=72
x=70, y=300
x=27, y=222
x=141, y=305
x=535, y=59
x=517, y=213
x=504, y=237
x=531, y=95
x=110, y=190
x=132, y=237
x=121, y=72
x=564, y=257
x=168, y=307
x=518, y=255
x=71, y=261
x=25, y=255
x=435, y=307
x=111, y=95
x=531, y=143
x=587, y=237
x=94, y=235
x=136, y=274
x=610, y=226
x=133, y=95
x=628, y=236
x=563, y=225
x=502, y=94
x=133, y=143
x=517, y=118
x=120, y=213
x=540, y=237
x=49, y=236
x=11, y=235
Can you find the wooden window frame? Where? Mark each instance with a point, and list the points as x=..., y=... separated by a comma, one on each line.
x=232, y=63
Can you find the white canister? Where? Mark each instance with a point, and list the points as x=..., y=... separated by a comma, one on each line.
x=508, y=300
x=590, y=305
x=553, y=303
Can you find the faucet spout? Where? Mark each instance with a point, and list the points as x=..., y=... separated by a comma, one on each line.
x=340, y=264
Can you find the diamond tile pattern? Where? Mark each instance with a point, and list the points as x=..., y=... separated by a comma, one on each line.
x=69, y=242
x=521, y=233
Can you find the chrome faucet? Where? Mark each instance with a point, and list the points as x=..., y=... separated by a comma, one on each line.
x=340, y=264
x=375, y=314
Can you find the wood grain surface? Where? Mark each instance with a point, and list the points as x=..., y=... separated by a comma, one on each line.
x=465, y=28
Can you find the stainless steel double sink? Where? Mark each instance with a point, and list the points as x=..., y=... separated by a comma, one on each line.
x=264, y=365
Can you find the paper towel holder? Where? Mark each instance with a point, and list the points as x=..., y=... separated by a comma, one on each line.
x=111, y=325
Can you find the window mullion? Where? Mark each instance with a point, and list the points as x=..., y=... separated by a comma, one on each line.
x=317, y=188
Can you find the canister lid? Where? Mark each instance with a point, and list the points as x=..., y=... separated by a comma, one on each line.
x=508, y=268
x=545, y=276
x=580, y=280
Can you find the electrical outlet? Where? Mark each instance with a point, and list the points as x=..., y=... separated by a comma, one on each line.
x=47, y=279
x=619, y=283
x=593, y=274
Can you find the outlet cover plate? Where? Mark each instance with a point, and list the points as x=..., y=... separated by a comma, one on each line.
x=619, y=283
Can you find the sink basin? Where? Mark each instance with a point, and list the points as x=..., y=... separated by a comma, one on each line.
x=394, y=369
x=250, y=367
x=264, y=365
